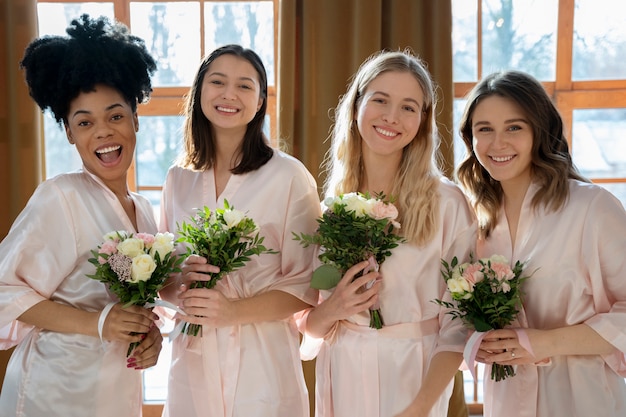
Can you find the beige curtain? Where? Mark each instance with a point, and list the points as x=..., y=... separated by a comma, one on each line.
x=19, y=120
x=322, y=43
x=20, y=152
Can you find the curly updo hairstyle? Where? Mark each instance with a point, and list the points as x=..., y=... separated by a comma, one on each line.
x=59, y=68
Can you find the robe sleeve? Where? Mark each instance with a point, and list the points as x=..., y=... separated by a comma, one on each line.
x=297, y=262
x=35, y=257
x=459, y=228
x=603, y=247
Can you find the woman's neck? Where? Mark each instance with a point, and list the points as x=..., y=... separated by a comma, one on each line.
x=378, y=175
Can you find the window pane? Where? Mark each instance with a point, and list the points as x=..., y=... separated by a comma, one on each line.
x=158, y=145
x=464, y=40
x=155, y=378
x=599, y=41
x=54, y=18
x=172, y=35
x=60, y=155
x=458, y=144
x=520, y=34
x=598, y=144
x=248, y=23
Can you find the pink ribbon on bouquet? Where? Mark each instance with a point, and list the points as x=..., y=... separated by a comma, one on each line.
x=373, y=266
x=473, y=343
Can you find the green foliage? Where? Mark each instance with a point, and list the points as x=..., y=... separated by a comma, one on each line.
x=347, y=239
x=226, y=243
x=140, y=292
x=486, y=295
x=136, y=293
x=348, y=233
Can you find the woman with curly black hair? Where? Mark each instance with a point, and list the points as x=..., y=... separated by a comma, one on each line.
x=70, y=334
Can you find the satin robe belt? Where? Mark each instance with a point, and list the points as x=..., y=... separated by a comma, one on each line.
x=369, y=368
x=398, y=331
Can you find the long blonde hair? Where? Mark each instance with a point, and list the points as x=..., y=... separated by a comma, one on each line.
x=416, y=182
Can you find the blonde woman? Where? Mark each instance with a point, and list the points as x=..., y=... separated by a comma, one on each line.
x=385, y=140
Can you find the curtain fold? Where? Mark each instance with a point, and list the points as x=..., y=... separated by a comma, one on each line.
x=321, y=45
x=20, y=119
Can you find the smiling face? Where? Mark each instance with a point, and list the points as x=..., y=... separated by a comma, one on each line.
x=231, y=94
x=103, y=127
x=389, y=113
x=503, y=140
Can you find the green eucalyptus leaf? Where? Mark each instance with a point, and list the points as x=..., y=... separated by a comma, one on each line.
x=325, y=277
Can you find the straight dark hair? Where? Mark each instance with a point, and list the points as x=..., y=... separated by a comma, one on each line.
x=199, y=148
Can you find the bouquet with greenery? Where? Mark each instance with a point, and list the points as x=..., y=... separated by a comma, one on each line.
x=352, y=229
x=226, y=238
x=486, y=296
x=135, y=267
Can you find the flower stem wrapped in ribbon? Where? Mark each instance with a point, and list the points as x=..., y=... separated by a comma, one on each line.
x=486, y=296
x=353, y=228
x=135, y=267
x=227, y=238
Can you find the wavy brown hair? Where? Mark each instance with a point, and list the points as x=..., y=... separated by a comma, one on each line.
x=551, y=162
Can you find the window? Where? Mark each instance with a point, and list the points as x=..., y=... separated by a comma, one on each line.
x=577, y=49
x=178, y=34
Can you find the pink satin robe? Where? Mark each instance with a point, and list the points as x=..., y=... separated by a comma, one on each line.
x=579, y=255
x=252, y=370
x=44, y=256
x=377, y=373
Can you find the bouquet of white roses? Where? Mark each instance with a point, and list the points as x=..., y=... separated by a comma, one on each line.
x=226, y=238
x=487, y=295
x=135, y=267
x=352, y=229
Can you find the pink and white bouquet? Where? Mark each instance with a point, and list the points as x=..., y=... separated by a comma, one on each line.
x=226, y=237
x=486, y=295
x=135, y=267
x=353, y=228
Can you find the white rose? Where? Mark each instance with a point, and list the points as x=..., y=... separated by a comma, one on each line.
x=163, y=244
x=233, y=217
x=131, y=247
x=498, y=259
x=142, y=268
x=115, y=236
x=358, y=204
x=330, y=201
x=458, y=285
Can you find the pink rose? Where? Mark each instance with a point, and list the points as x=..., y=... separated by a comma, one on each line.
x=473, y=274
x=503, y=271
x=147, y=238
x=380, y=210
x=109, y=247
